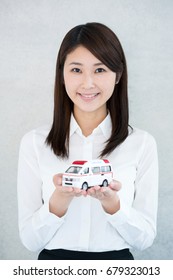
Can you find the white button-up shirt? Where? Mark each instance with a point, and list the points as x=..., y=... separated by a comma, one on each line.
x=86, y=226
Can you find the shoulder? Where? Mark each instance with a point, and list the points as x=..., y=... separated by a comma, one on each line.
x=141, y=136
x=138, y=142
x=142, y=142
x=35, y=137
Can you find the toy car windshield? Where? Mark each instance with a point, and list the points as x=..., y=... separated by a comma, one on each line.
x=73, y=169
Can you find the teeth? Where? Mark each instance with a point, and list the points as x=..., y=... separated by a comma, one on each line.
x=89, y=95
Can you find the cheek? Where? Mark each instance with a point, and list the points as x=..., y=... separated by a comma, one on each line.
x=109, y=87
x=108, y=84
x=69, y=85
x=67, y=81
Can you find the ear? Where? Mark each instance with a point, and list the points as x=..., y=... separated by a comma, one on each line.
x=118, y=77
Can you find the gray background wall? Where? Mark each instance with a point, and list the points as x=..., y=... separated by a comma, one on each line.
x=30, y=35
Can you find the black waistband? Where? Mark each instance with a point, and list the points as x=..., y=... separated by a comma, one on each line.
x=61, y=254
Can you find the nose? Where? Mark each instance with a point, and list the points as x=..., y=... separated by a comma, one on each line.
x=88, y=81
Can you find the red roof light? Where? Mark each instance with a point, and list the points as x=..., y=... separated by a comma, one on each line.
x=106, y=160
x=80, y=162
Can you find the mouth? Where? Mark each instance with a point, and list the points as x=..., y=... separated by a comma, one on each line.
x=88, y=96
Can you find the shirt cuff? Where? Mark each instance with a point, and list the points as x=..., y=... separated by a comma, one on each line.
x=48, y=218
x=121, y=216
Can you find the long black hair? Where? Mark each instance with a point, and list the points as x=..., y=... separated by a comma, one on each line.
x=102, y=42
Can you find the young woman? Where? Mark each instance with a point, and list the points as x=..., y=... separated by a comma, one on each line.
x=90, y=121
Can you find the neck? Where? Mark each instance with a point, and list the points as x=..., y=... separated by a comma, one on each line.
x=89, y=121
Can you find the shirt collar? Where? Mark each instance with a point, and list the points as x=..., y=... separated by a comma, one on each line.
x=105, y=126
x=73, y=125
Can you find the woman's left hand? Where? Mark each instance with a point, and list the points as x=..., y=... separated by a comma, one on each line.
x=108, y=196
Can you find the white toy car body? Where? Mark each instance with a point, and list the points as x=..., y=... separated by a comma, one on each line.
x=85, y=174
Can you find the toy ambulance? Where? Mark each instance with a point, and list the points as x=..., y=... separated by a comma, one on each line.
x=85, y=174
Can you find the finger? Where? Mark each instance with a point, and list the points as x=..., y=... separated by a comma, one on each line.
x=96, y=188
x=96, y=192
x=99, y=194
x=57, y=179
x=66, y=189
x=91, y=191
x=78, y=194
x=115, y=185
x=107, y=191
x=77, y=191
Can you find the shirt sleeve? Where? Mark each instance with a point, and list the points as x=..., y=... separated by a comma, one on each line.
x=36, y=224
x=137, y=223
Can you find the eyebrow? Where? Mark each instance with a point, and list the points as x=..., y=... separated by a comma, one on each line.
x=78, y=63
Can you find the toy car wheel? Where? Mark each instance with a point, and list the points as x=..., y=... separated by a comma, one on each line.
x=105, y=183
x=85, y=186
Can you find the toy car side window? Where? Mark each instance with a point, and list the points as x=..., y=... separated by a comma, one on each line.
x=96, y=169
x=103, y=168
x=73, y=169
x=108, y=168
x=86, y=171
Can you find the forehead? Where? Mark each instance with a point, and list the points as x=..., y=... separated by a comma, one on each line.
x=81, y=55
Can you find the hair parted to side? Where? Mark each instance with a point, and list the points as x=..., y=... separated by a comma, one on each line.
x=102, y=42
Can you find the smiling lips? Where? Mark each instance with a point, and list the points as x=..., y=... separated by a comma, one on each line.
x=88, y=96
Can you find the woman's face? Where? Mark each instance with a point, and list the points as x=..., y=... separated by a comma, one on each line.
x=88, y=82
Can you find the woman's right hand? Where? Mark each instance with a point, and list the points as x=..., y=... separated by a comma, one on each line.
x=62, y=196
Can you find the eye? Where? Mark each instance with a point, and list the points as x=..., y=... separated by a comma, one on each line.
x=76, y=70
x=100, y=70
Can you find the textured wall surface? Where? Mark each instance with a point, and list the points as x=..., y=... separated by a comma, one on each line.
x=30, y=35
